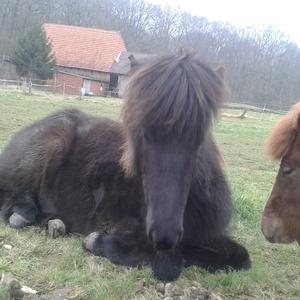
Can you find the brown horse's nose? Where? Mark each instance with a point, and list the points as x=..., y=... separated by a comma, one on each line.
x=268, y=229
x=271, y=228
x=165, y=239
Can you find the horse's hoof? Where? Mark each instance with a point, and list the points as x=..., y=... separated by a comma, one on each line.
x=89, y=241
x=56, y=228
x=17, y=221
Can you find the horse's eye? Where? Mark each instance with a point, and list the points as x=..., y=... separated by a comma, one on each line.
x=287, y=171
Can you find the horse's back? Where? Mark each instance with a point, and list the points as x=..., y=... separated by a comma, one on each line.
x=35, y=154
x=90, y=178
x=28, y=152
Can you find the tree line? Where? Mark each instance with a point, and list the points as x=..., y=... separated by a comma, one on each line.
x=262, y=66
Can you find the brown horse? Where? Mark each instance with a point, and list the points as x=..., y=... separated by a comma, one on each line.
x=281, y=217
x=150, y=190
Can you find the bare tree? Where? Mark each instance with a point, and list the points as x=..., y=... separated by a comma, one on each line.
x=263, y=66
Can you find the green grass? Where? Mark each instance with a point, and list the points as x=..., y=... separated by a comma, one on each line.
x=45, y=264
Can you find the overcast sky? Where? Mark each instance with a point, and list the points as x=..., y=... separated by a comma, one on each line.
x=283, y=14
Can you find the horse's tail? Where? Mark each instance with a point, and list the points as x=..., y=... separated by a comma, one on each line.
x=179, y=92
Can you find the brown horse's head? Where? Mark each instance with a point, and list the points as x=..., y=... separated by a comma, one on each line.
x=281, y=217
x=170, y=105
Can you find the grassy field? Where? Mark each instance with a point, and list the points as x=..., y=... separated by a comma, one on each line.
x=45, y=264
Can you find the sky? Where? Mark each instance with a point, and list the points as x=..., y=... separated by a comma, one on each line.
x=283, y=14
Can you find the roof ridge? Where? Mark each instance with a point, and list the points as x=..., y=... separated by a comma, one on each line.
x=82, y=27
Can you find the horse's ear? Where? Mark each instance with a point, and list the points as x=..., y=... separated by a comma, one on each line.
x=133, y=62
x=284, y=133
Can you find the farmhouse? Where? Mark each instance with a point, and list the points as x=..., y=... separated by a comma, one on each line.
x=84, y=57
x=123, y=66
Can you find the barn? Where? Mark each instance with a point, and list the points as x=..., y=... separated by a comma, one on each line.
x=122, y=67
x=84, y=57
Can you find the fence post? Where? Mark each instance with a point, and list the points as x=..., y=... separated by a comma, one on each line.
x=29, y=87
x=24, y=83
x=64, y=88
x=54, y=88
x=263, y=112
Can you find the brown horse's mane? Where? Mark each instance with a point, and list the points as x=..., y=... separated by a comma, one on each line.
x=177, y=93
x=283, y=134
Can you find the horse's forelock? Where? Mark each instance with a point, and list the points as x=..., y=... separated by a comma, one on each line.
x=283, y=134
x=177, y=92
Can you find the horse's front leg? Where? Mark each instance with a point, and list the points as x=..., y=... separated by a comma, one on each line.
x=131, y=251
x=121, y=250
x=20, y=210
x=221, y=253
x=24, y=212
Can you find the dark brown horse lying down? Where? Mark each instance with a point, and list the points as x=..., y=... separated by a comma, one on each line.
x=148, y=190
x=281, y=217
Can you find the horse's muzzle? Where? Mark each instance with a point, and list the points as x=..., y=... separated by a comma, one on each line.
x=273, y=230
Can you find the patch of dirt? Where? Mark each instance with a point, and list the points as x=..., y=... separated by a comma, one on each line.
x=194, y=292
x=172, y=291
x=17, y=292
x=60, y=294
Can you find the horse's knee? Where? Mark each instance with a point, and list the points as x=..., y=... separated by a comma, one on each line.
x=90, y=241
x=233, y=256
x=238, y=258
x=17, y=221
x=222, y=254
x=117, y=250
x=22, y=214
x=104, y=245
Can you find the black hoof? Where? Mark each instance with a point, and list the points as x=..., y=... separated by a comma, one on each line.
x=56, y=228
x=90, y=240
x=167, y=265
x=17, y=221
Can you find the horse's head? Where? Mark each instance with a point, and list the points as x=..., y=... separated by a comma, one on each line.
x=170, y=105
x=281, y=217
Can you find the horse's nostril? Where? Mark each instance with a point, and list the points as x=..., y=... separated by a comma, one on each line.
x=271, y=239
x=165, y=241
x=271, y=228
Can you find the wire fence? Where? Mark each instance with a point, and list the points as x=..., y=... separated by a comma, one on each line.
x=246, y=111
x=231, y=109
x=51, y=87
x=26, y=86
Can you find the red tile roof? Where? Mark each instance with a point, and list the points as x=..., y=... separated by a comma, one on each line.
x=84, y=48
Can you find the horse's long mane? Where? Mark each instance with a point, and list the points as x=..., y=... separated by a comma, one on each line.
x=283, y=134
x=178, y=93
